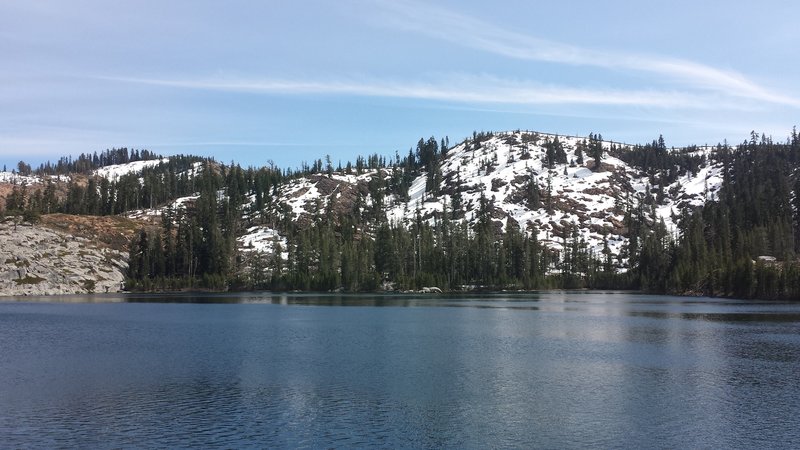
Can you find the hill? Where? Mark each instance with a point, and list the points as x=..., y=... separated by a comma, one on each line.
x=510, y=210
x=538, y=183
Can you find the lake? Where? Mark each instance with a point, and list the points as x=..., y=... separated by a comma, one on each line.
x=539, y=370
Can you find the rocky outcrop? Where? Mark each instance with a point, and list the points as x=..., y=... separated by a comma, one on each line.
x=35, y=260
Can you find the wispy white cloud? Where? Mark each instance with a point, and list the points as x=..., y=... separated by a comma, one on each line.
x=243, y=144
x=461, y=89
x=474, y=33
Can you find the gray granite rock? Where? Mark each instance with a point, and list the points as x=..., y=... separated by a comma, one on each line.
x=35, y=260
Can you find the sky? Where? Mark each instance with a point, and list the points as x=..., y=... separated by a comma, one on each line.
x=283, y=82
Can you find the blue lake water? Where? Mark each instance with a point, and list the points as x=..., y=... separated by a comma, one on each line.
x=549, y=370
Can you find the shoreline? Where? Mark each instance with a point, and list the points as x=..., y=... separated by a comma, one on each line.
x=192, y=296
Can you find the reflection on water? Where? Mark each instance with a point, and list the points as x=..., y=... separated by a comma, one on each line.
x=550, y=369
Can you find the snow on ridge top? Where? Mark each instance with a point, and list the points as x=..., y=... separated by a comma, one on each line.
x=116, y=171
x=566, y=139
x=15, y=178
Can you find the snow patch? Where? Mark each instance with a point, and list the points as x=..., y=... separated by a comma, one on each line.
x=262, y=239
x=116, y=171
x=15, y=178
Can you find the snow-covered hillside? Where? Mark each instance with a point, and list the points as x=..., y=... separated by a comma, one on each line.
x=593, y=200
x=586, y=200
x=114, y=172
x=14, y=178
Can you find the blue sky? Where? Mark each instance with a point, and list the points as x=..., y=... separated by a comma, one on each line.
x=287, y=82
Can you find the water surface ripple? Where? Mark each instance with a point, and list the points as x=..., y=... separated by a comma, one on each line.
x=542, y=370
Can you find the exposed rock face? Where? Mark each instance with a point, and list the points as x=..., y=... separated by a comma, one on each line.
x=35, y=260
